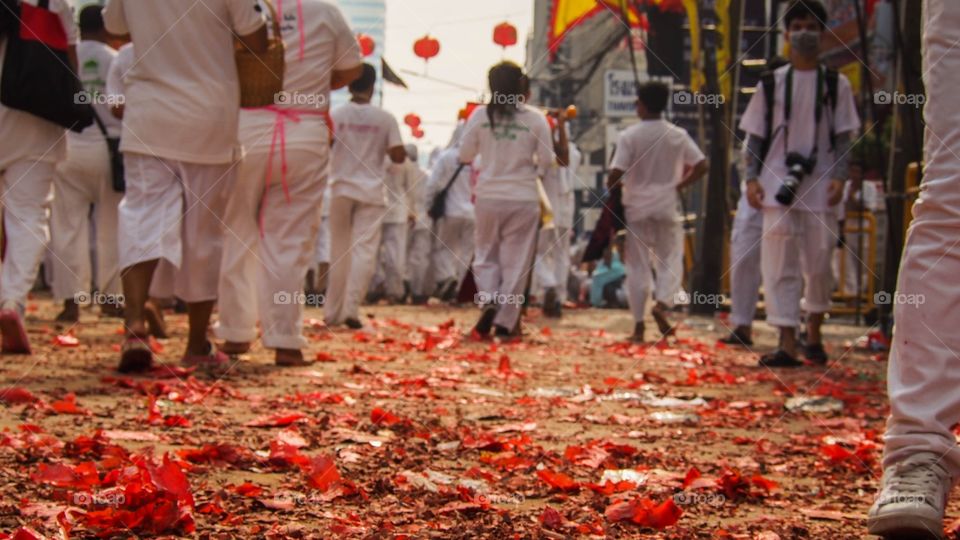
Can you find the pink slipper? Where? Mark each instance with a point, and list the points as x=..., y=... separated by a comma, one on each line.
x=135, y=355
x=14, y=335
x=215, y=361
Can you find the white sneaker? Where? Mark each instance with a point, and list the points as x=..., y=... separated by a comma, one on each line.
x=911, y=500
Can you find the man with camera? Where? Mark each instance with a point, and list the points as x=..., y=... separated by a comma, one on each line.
x=798, y=125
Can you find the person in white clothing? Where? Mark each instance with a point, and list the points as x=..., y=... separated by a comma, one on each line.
x=813, y=117
x=179, y=141
x=272, y=216
x=318, y=274
x=553, y=244
x=388, y=279
x=654, y=161
x=454, y=245
x=31, y=148
x=858, y=196
x=364, y=134
x=85, y=179
x=418, y=273
x=921, y=459
x=516, y=145
x=745, y=239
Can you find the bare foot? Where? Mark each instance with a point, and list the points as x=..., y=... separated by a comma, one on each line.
x=233, y=348
x=154, y=317
x=659, y=313
x=638, y=333
x=290, y=358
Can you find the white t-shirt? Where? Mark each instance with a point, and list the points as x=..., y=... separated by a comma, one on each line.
x=417, y=201
x=182, y=98
x=94, y=59
x=22, y=135
x=652, y=155
x=397, y=192
x=116, y=84
x=518, y=151
x=813, y=192
x=328, y=45
x=362, y=135
x=564, y=208
x=458, y=203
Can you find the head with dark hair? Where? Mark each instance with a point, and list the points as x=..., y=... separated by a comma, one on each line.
x=91, y=20
x=509, y=88
x=652, y=98
x=805, y=10
x=364, y=84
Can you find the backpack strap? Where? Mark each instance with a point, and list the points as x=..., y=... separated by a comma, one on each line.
x=768, y=84
x=831, y=78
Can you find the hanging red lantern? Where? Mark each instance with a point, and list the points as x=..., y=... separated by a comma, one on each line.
x=426, y=47
x=367, y=45
x=412, y=120
x=505, y=34
x=418, y=133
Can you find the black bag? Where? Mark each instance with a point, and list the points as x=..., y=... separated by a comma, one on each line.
x=9, y=21
x=37, y=76
x=116, y=157
x=438, y=207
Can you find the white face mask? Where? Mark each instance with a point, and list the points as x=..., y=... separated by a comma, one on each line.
x=805, y=42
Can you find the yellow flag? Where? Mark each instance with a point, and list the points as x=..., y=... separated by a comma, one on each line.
x=567, y=14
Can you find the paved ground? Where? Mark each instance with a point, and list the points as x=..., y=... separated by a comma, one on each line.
x=416, y=431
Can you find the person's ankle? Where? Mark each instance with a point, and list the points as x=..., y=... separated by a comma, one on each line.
x=199, y=348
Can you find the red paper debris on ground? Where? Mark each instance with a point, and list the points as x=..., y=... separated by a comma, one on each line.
x=558, y=480
x=321, y=473
x=17, y=395
x=67, y=405
x=645, y=512
x=276, y=420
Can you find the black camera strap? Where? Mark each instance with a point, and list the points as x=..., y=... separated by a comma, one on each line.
x=788, y=105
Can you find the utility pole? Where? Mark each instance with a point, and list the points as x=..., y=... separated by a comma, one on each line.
x=709, y=268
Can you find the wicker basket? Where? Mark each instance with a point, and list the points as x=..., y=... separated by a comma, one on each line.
x=261, y=75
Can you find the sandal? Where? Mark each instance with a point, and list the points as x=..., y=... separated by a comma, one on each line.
x=213, y=362
x=135, y=354
x=779, y=358
x=15, y=339
x=737, y=338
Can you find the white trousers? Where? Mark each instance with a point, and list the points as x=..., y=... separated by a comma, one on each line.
x=323, y=241
x=419, y=273
x=262, y=276
x=553, y=260
x=355, y=229
x=392, y=259
x=795, y=260
x=25, y=189
x=924, y=370
x=745, y=276
x=173, y=211
x=84, y=179
x=454, y=248
x=653, y=246
x=506, y=234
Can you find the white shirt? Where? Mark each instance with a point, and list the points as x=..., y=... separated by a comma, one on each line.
x=328, y=45
x=94, y=59
x=363, y=133
x=652, y=155
x=398, y=191
x=182, y=98
x=116, y=84
x=458, y=203
x=565, y=206
x=516, y=152
x=22, y=135
x=813, y=192
x=417, y=200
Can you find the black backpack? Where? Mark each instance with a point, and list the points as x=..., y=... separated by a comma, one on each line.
x=768, y=83
x=37, y=76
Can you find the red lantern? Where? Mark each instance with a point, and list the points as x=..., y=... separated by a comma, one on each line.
x=412, y=120
x=418, y=133
x=505, y=34
x=426, y=47
x=367, y=45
